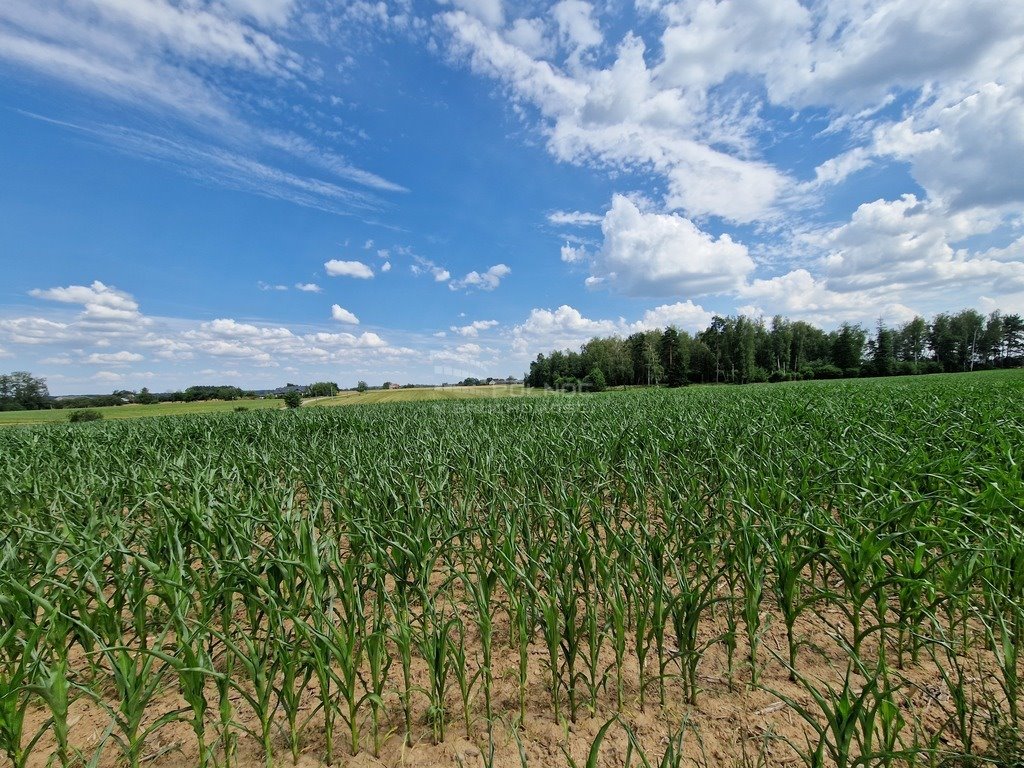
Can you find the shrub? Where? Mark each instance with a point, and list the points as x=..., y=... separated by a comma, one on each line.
x=595, y=380
x=240, y=409
x=827, y=371
x=759, y=375
x=89, y=414
x=293, y=399
x=567, y=383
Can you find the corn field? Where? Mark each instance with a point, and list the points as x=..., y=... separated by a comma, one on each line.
x=820, y=574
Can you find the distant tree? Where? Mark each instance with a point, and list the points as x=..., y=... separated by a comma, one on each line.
x=673, y=352
x=848, y=347
x=1013, y=336
x=293, y=399
x=205, y=392
x=883, y=351
x=145, y=397
x=322, y=389
x=361, y=386
x=911, y=340
x=21, y=390
x=595, y=380
x=386, y=385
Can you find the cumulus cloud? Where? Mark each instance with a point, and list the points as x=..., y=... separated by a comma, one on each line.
x=909, y=245
x=484, y=281
x=684, y=315
x=36, y=330
x=89, y=296
x=623, y=116
x=968, y=153
x=474, y=328
x=655, y=254
x=562, y=327
x=342, y=315
x=309, y=287
x=338, y=268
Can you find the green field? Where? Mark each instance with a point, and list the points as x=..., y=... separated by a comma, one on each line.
x=808, y=574
x=139, y=411
x=417, y=394
x=421, y=394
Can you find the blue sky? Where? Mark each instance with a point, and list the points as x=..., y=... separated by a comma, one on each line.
x=260, y=191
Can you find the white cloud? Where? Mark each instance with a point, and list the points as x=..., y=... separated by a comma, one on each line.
x=485, y=281
x=95, y=295
x=35, y=330
x=337, y=268
x=653, y=254
x=907, y=245
x=113, y=358
x=269, y=287
x=966, y=153
x=684, y=315
x=440, y=274
x=108, y=376
x=576, y=25
x=368, y=339
x=489, y=12
x=799, y=295
x=626, y=117
x=564, y=326
x=309, y=287
x=343, y=315
x=474, y=328
x=385, y=267
x=529, y=35
x=103, y=306
x=141, y=52
x=574, y=218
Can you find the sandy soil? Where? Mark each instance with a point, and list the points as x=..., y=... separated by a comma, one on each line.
x=733, y=723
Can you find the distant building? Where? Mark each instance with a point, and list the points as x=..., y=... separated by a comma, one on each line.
x=394, y=385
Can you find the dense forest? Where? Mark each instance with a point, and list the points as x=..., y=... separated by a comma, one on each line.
x=741, y=350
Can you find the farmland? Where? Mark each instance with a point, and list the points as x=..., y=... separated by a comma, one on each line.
x=133, y=411
x=421, y=394
x=350, y=397
x=816, y=573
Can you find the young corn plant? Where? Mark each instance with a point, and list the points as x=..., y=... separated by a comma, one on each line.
x=436, y=648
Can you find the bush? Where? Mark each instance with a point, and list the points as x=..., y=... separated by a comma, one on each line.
x=567, y=383
x=759, y=375
x=240, y=409
x=595, y=381
x=293, y=399
x=827, y=371
x=89, y=414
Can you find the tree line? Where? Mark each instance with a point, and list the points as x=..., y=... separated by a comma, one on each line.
x=740, y=350
x=21, y=391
